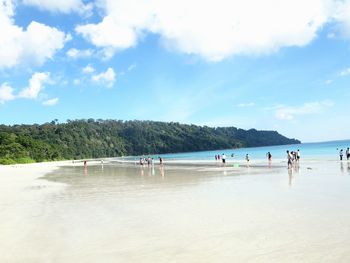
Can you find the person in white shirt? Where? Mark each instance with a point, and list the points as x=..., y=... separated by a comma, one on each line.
x=341, y=154
x=298, y=155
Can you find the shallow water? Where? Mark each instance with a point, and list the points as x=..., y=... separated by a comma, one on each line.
x=315, y=151
x=132, y=214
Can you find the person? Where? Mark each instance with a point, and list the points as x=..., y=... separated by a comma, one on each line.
x=85, y=168
x=269, y=156
x=160, y=160
x=223, y=158
x=292, y=156
x=216, y=157
x=247, y=157
x=289, y=157
x=298, y=155
x=341, y=154
x=347, y=154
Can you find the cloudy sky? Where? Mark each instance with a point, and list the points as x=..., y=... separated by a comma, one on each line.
x=274, y=64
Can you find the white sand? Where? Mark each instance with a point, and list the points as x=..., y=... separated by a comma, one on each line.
x=134, y=214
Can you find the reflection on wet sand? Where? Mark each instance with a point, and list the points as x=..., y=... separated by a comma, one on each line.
x=151, y=171
x=341, y=167
x=117, y=177
x=292, y=171
x=290, y=176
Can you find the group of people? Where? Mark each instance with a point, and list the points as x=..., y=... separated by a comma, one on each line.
x=293, y=157
x=146, y=160
x=222, y=157
x=347, y=154
x=219, y=157
x=149, y=161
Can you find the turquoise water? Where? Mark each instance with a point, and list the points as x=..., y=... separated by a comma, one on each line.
x=320, y=150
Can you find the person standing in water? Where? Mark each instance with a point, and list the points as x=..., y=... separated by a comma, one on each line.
x=269, y=156
x=347, y=154
x=247, y=157
x=289, y=158
x=341, y=154
x=223, y=158
x=298, y=155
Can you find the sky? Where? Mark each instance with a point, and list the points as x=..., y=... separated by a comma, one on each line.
x=270, y=65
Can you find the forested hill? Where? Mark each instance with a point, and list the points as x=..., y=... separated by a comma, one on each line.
x=107, y=138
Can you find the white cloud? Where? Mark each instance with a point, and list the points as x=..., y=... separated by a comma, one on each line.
x=62, y=6
x=51, y=102
x=289, y=112
x=79, y=53
x=213, y=29
x=131, y=67
x=34, y=45
x=6, y=93
x=345, y=72
x=109, y=34
x=107, y=77
x=328, y=81
x=36, y=84
x=331, y=35
x=76, y=82
x=88, y=69
x=244, y=105
x=342, y=17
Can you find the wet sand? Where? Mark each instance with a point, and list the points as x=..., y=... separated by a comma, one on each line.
x=176, y=213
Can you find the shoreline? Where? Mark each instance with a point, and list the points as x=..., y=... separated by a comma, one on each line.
x=46, y=167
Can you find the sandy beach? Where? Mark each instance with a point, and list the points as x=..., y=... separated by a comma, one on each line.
x=61, y=212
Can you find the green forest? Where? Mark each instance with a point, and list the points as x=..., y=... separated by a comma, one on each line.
x=79, y=139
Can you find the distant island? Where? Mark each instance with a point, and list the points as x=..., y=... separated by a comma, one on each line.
x=79, y=139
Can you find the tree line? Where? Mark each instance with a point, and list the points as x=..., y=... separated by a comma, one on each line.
x=79, y=139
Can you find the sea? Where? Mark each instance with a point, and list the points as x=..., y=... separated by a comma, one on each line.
x=311, y=151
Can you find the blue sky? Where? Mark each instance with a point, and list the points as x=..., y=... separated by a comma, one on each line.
x=272, y=65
